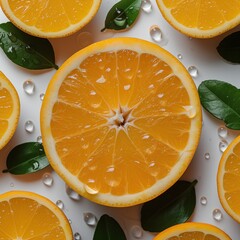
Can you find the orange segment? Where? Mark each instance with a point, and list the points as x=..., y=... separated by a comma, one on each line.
x=201, y=18
x=192, y=230
x=22, y=215
x=9, y=110
x=121, y=121
x=228, y=178
x=50, y=19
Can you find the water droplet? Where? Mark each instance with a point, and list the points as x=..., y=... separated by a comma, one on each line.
x=29, y=87
x=12, y=51
x=39, y=139
x=77, y=236
x=72, y=194
x=121, y=18
x=35, y=165
x=193, y=71
x=222, y=132
x=217, y=215
x=12, y=37
x=156, y=33
x=90, y=219
x=90, y=190
x=29, y=49
x=11, y=184
x=70, y=221
x=41, y=96
x=207, y=156
x=84, y=39
x=146, y=6
x=29, y=126
x=179, y=56
x=223, y=145
x=47, y=179
x=60, y=204
x=203, y=201
x=137, y=232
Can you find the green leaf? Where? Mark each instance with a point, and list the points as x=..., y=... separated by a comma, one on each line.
x=229, y=48
x=122, y=15
x=172, y=207
x=108, y=229
x=222, y=100
x=25, y=50
x=26, y=158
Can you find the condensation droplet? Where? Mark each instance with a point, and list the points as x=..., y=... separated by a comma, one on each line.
x=207, y=156
x=47, y=179
x=222, y=132
x=146, y=6
x=203, y=201
x=72, y=194
x=41, y=96
x=136, y=232
x=29, y=87
x=179, y=56
x=29, y=126
x=60, y=204
x=39, y=139
x=77, y=236
x=84, y=39
x=217, y=215
x=90, y=219
x=223, y=145
x=156, y=33
x=193, y=71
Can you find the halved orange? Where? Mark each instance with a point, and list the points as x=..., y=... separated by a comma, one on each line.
x=27, y=215
x=9, y=110
x=121, y=121
x=50, y=19
x=201, y=18
x=228, y=178
x=193, y=230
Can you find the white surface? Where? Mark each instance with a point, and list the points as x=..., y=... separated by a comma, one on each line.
x=201, y=53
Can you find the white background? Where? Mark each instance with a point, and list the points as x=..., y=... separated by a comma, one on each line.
x=200, y=53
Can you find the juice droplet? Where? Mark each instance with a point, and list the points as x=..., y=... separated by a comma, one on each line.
x=60, y=204
x=77, y=236
x=90, y=190
x=223, y=145
x=137, y=232
x=222, y=132
x=47, y=179
x=29, y=87
x=41, y=96
x=207, y=156
x=90, y=219
x=217, y=215
x=191, y=111
x=29, y=126
x=193, y=71
x=146, y=6
x=203, y=201
x=156, y=33
x=72, y=194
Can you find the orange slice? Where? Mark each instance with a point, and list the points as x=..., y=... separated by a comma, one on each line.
x=9, y=110
x=201, y=18
x=191, y=230
x=121, y=121
x=26, y=215
x=228, y=177
x=50, y=19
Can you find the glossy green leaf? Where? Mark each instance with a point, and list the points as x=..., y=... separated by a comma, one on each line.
x=229, y=48
x=122, y=15
x=222, y=100
x=26, y=158
x=108, y=229
x=172, y=207
x=25, y=50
